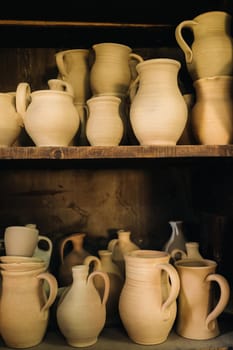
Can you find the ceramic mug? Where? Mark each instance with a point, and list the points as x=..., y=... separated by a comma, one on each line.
x=22, y=240
x=197, y=310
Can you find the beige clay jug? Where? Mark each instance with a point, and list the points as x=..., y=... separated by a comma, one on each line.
x=74, y=67
x=198, y=310
x=147, y=302
x=110, y=72
x=104, y=124
x=211, y=52
x=212, y=113
x=81, y=311
x=50, y=117
x=11, y=122
x=154, y=120
x=24, y=305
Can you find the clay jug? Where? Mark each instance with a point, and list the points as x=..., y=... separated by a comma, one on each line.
x=191, y=252
x=11, y=122
x=104, y=263
x=147, y=302
x=75, y=256
x=211, y=52
x=50, y=117
x=177, y=238
x=212, y=114
x=81, y=312
x=120, y=246
x=25, y=307
x=154, y=120
x=198, y=310
x=104, y=123
x=110, y=72
x=74, y=67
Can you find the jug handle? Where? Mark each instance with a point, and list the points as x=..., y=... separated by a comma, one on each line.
x=112, y=243
x=175, y=287
x=60, y=85
x=106, y=279
x=181, y=253
x=23, y=97
x=60, y=63
x=223, y=300
x=180, y=40
x=53, y=289
x=133, y=85
x=91, y=258
x=66, y=240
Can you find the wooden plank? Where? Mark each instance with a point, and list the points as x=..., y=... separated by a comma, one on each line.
x=115, y=152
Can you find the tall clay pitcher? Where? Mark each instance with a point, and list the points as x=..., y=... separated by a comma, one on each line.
x=147, y=302
x=211, y=52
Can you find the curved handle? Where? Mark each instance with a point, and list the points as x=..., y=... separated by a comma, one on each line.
x=106, y=279
x=61, y=64
x=62, y=247
x=53, y=289
x=175, y=286
x=111, y=244
x=60, y=85
x=23, y=97
x=91, y=258
x=223, y=300
x=180, y=40
x=179, y=252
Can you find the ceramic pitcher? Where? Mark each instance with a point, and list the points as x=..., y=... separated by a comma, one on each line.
x=24, y=306
x=104, y=124
x=198, y=311
x=74, y=67
x=11, y=122
x=211, y=52
x=81, y=312
x=50, y=117
x=147, y=302
x=154, y=120
x=110, y=72
x=212, y=114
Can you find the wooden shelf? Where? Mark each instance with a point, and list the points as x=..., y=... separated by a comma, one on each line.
x=116, y=152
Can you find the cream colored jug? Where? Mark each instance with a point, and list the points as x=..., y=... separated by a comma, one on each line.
x=24, y=306
x=198, y=309
x=74, y=67
x=212, y=113
x=211, y=52
x=110, y=72
x=50, y=117
x=154, y=120
x=147, y=302
x=11, y=122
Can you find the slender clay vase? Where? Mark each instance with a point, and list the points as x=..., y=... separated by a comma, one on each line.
x=81, y=312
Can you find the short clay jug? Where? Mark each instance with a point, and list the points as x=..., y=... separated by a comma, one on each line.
x=177, y=238
x=11, y=122
x=50, y=117
x=212, y=113
x=120, y=246
x=104, y=124
x=104, y=263
x=81, y=312
x=110, y=72
x=198, y=310
x=191, y=252
x=24, y=306
x=211, y=52
x=147, y=302
x=154, y=120
x=74, y=67
x=75, y=256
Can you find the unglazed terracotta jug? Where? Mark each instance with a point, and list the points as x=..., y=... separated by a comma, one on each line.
x=104, y=124
x=211, y=52
x=154, y=120
x=81, y=312
x=50, y=117
x=74, y=67
x=110, y=72
x=198, y=310
x=147, y=302
x=75, y=256
x=104, y=263
x=24, y=306
x=11, y=122
x=212, y=114
x=120, y=246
